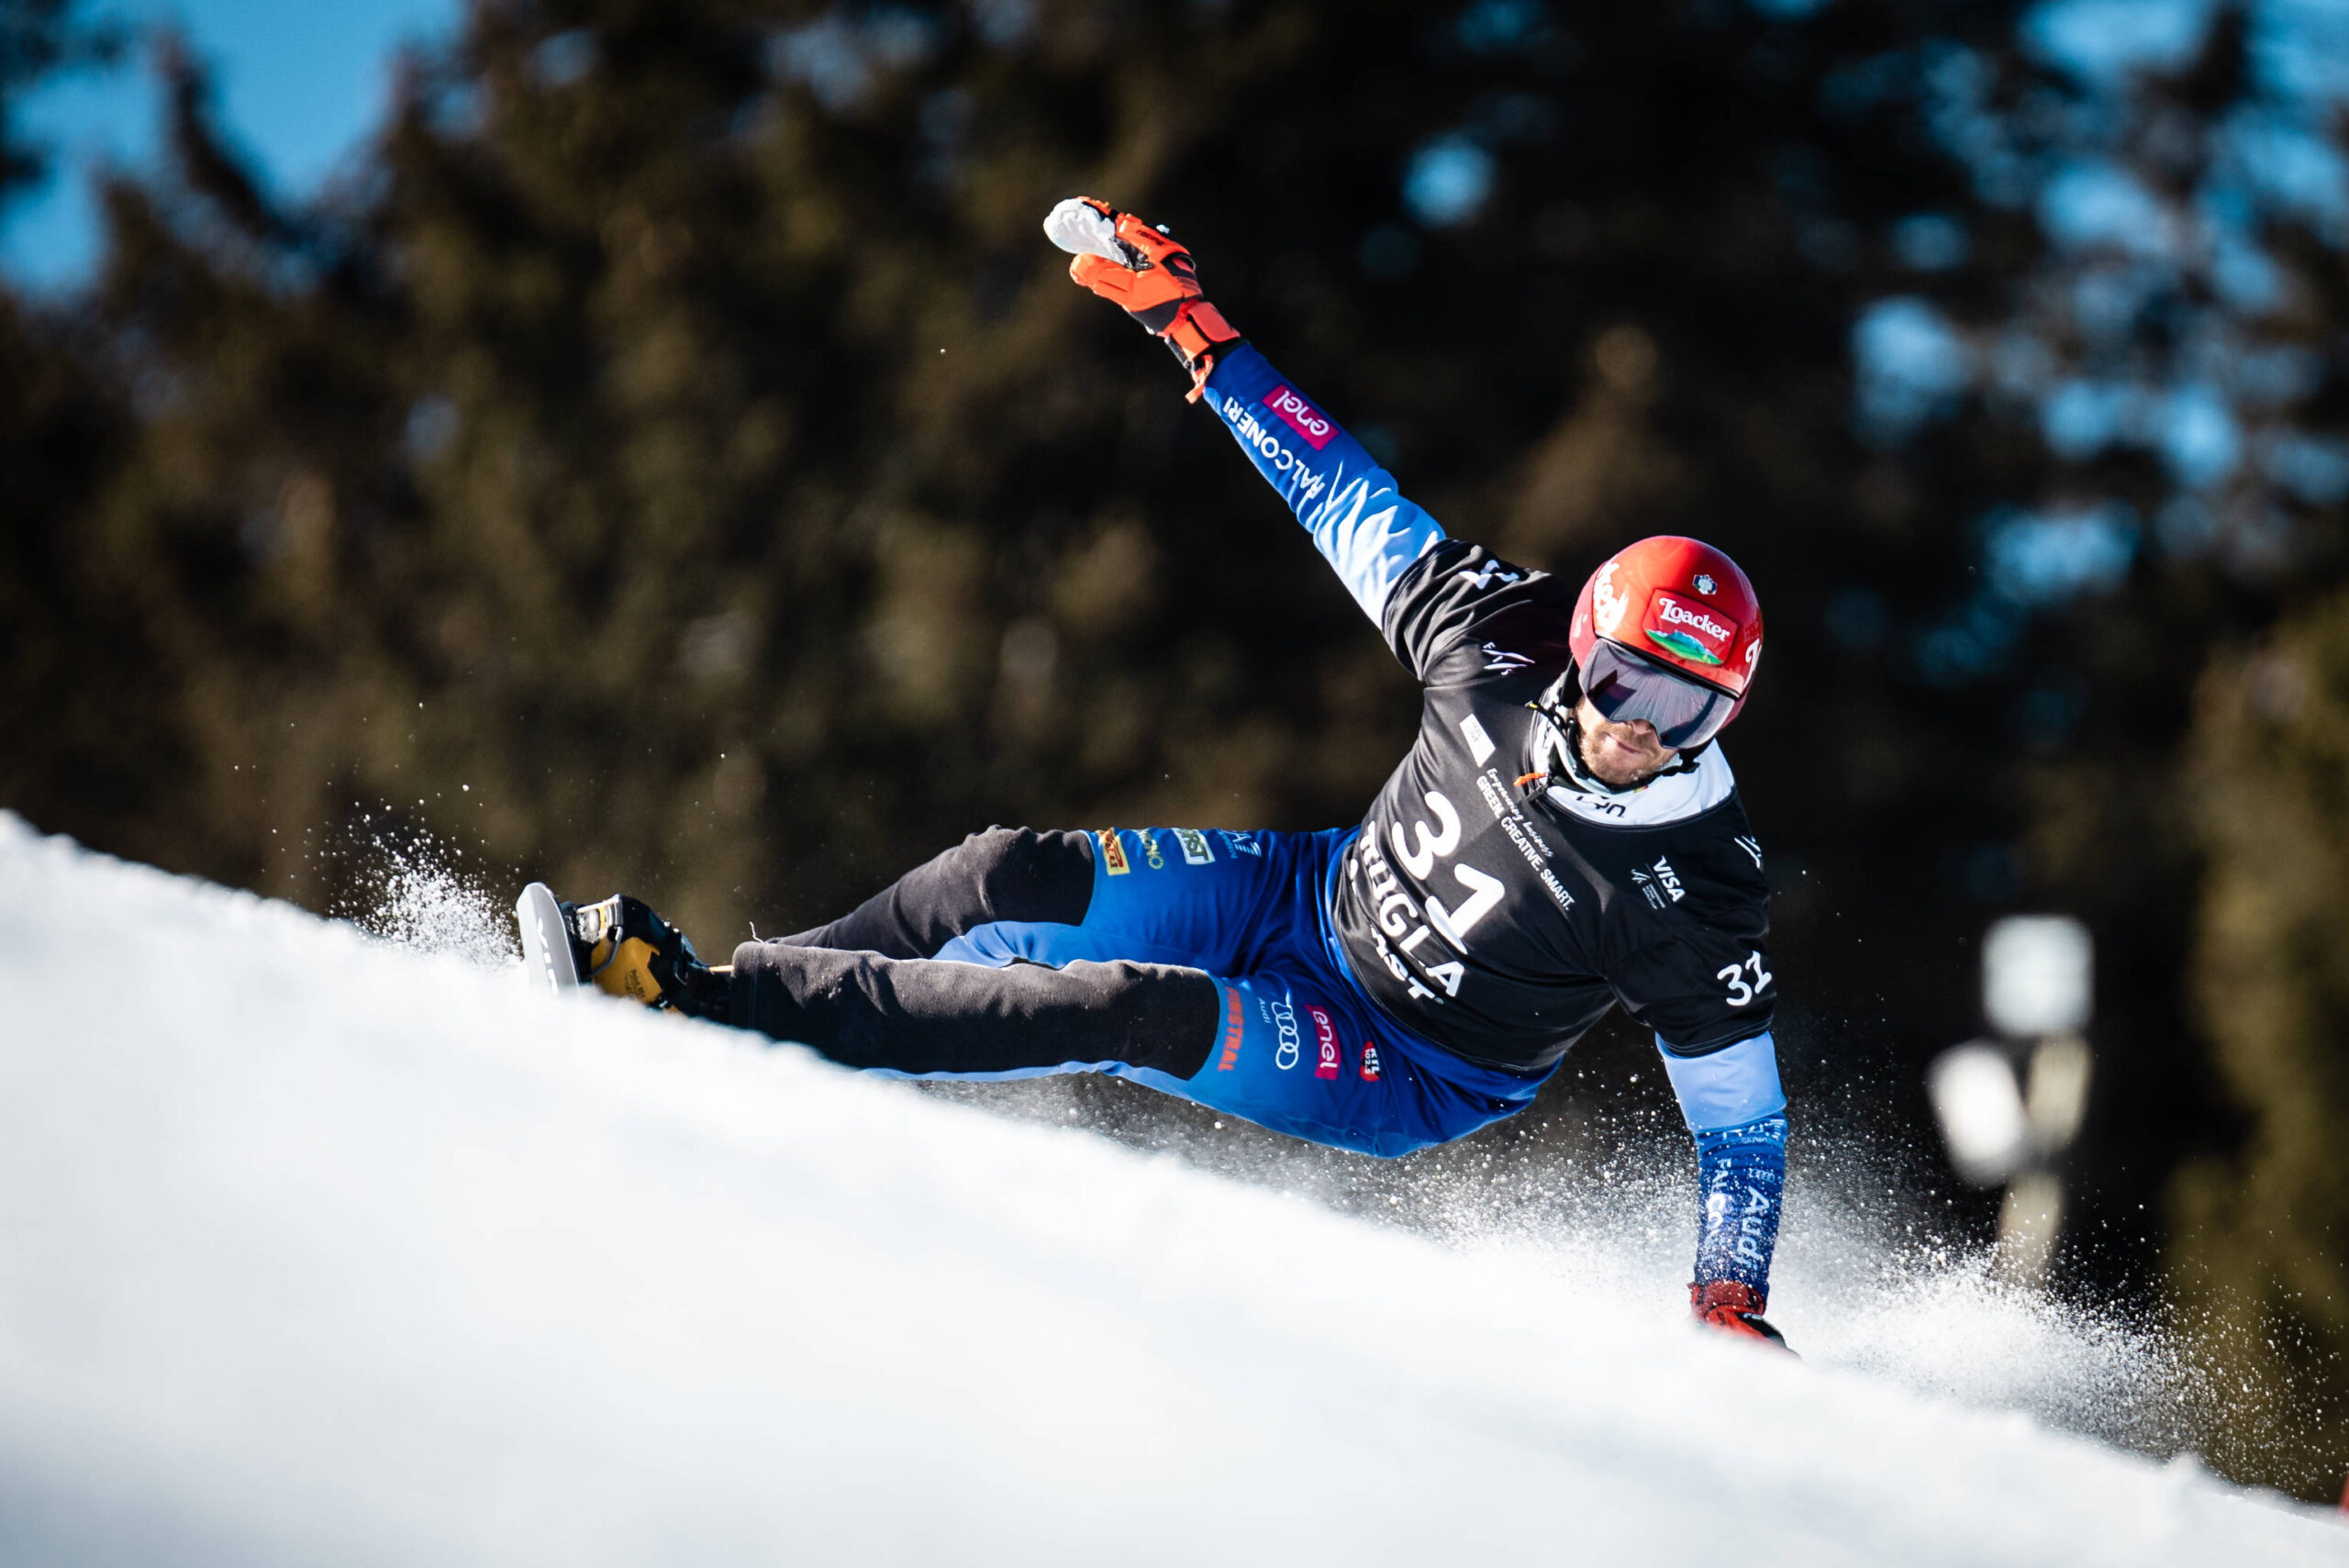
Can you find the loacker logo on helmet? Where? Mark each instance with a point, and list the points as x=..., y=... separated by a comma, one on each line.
x=1688, y=631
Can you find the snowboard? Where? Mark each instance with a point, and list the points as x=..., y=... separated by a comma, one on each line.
x=546, y=939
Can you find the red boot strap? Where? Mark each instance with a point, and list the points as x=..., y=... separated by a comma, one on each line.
x=1711, y=1297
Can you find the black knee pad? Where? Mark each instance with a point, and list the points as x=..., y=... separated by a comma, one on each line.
x=1029, y=876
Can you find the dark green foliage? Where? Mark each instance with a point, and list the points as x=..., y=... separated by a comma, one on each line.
x=2258, y=1251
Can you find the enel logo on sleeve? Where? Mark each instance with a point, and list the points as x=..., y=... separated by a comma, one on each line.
x=1316, y=426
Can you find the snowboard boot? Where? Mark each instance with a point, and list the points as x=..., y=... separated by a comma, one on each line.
x=626, y=950
x=1735, y=1308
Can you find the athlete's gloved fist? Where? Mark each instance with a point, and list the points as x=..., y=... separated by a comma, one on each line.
x=1145, y=272
x=1734, y=1307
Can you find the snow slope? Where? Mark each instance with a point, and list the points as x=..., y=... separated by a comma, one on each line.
x=313, y=1250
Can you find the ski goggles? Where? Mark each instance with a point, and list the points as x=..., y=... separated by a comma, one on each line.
x=1625, y=687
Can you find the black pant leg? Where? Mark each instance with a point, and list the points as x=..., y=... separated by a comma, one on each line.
x=1004, y=874
x=922, y=1016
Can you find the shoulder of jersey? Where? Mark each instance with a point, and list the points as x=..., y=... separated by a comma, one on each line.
x=1724, y=844
x=1709, y=864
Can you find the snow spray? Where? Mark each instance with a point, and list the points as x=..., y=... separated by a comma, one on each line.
x=1865, y=1279
x=402, y=885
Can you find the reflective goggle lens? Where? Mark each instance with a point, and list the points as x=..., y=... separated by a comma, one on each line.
x=1625, y=687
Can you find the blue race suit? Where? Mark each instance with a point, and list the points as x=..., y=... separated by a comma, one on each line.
x=1298, y=1047
x=1380, y=988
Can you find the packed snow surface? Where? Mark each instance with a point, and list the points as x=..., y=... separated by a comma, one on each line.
x=321, y=1251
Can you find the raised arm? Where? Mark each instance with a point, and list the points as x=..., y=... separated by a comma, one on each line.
x=1365, y=529
x=1361, y=524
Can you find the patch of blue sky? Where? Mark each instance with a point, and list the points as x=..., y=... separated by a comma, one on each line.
x=2199, y=438
x=2103, y=43
x=1493, y=27
x=2185, y=527
x=1957, y=83
x=2192, y=427
x=1974, y=641
x=838, y=56
x=2073, y=354
x=2299, y=50
x=1911, y=367
x=2092, y=201
x=1930, y=242
x=2107, y=300
x=89, y=121
x=2315, y=468
x=2039, y=559
x=1858, y=619
x=1447, y=180
x=2080, y=417
x=2273, y=377
x=2288, y=166
x=1004, y=24
x=301, y=88
x=2245, y=275
x=2019, y=364
x=432, y=424
x=1851, y=91
x=564, y=59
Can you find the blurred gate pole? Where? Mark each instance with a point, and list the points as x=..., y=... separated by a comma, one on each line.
x=2010, y=1107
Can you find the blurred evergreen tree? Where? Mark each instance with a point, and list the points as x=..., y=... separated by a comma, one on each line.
x=63, y=432
x=2259, y=1232
x=686, y=438
x=2175, y=339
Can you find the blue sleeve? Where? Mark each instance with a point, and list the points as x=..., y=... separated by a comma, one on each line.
x=1369, y=534
x=1735, y=1108
x=1728, y=1087
x=1741, y=1171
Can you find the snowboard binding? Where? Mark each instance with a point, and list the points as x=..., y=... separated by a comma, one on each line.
x=623, y=949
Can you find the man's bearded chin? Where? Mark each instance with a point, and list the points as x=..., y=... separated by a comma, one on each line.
x=1621, y=754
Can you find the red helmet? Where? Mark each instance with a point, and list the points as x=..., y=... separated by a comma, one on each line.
x=1691, y=627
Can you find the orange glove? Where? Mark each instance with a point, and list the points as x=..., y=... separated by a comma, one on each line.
x=1734, y=1307
x=1143, y=271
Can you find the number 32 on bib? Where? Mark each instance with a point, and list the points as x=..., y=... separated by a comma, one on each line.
x=1741, y=990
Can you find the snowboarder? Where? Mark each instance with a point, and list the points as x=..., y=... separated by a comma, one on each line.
x=1565, y=837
